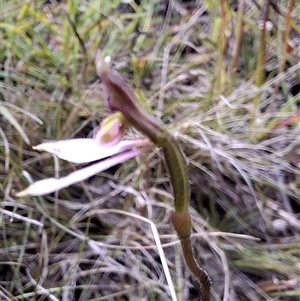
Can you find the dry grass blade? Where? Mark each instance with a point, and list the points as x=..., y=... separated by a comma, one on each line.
x=10, y=118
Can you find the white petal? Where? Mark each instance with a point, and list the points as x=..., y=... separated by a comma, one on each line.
x=87, y=150
x=51, y=185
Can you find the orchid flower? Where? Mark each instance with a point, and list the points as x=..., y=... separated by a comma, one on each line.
x=106, y=144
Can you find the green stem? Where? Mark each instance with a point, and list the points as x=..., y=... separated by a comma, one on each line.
x=182, y=224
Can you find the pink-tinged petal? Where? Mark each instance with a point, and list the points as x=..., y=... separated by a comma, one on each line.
x=46, y=186
x=87, y=150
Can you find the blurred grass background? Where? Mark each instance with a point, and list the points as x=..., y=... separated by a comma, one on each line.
x=224, y=77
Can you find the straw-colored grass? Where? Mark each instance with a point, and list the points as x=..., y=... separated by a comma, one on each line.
x=224, y=78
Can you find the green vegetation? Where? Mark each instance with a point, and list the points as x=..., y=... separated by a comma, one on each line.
x=224, y=78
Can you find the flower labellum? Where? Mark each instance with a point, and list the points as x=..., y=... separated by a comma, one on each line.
x=107, y=144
